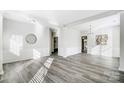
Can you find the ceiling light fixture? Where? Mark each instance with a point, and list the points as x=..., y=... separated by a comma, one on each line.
x=90, y=31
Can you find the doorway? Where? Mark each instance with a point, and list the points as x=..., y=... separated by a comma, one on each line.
x=84, y=44
x=54, y=43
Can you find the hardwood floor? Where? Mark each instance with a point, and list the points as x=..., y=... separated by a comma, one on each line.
x=79, y=68
x=83, y=68
x=21, y=72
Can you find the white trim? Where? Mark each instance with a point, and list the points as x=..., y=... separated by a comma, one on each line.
x=121, y=69
x=1, y=73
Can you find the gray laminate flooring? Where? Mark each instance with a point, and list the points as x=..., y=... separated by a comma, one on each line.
x=79, y=68
x=21, y=71
x=84, y=68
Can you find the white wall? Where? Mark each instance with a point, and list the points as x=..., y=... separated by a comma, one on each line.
x=15, y=48
x=69, y=42
x=121, y=42
x=112, y=49
x=116, y=41
x=1, y=54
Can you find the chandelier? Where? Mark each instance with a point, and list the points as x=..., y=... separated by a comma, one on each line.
x=90, y=31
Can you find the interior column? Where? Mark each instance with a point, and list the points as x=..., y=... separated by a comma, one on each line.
x=121, y=68
x=1, y=56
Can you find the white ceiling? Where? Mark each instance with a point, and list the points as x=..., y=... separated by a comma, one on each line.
x=103, y=22
x=62, y=17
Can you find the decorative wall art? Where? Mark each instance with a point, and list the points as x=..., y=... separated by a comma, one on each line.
x=101, y=39
x=31, y=38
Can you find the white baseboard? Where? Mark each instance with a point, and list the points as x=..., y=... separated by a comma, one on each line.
x=1, y=72
x=121, y=69
x=69, y=51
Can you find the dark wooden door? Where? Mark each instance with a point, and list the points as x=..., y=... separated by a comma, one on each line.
x=82, y=45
